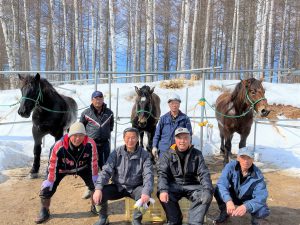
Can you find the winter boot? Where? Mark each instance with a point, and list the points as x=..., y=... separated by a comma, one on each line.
x=87, y=194
x=44, y=212
x=137, y=217
x=103, y=220
x=222, y=217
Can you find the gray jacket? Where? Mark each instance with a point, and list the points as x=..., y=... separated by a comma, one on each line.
x=128, y=171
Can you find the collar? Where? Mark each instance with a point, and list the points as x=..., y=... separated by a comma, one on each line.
x=250, y=170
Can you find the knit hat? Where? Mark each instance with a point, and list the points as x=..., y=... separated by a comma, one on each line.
x=77, y=128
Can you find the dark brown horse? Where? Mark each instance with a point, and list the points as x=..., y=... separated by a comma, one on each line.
x=234, y=112
x=145, y=113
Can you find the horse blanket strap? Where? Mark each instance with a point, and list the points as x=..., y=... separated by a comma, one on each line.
x=73, y=170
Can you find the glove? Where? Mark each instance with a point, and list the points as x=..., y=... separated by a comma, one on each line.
x=206, y=197
x=95, y=177
x=155, y=153
x=47, y=184
x=143, y=207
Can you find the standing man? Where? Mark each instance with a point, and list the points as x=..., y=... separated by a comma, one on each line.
x=182, y=173
x=241, y=189
x=75, y=154
x=99, y=123
x=168, y=123
x=130, y=169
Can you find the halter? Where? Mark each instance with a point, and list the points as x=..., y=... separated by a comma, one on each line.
x=253, y=103
x=38, y=99
x=148, y=112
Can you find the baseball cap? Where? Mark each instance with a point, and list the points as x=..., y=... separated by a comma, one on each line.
x=181, y=130
x=174, y=97
x=97, y=94
x=246, y=151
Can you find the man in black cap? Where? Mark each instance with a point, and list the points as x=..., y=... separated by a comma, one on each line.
x=99, y=123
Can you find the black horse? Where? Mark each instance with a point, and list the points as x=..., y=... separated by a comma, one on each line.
x=145, y=113
x=52, y=113
x=234, y=112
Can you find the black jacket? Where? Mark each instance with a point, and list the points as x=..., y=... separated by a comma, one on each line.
x=98, y=126
x=194, y=172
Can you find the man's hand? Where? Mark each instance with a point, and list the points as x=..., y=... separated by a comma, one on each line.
x=47, y=184
x=155, y=153
x=230, y=207
x=145, y=198
x=240, y=211
x=164, y=197
x=97, y=197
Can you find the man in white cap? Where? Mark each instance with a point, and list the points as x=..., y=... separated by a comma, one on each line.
x=168, y=123
x=182, y=173
x=75, y=154
x=241, y=189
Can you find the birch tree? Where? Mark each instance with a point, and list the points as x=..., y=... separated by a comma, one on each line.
x=180, y=35
x=38, y=34
x=270, y=39
x=148, y=39
x=135, y=39
x=155, y=41
x=66, y=36
x=194, y=35
x=185, y=33
x=101, y=37
x=112, y=35
x=205, y=48
x=93, y=9
x=236, y=39
x=55, y=37
x=77, y=42
x=27, y=32
x=15, y=29
x=257, y=40
x=263, y=36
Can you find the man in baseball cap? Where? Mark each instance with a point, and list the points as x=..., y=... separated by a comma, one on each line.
x=243, y=177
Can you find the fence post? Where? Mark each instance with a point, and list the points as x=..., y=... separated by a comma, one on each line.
x=116, y=118
x=109, y=89
x=95, y=78
x=202, y=110
x=186, y=99
x=255, y=125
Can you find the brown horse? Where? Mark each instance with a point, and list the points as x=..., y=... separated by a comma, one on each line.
x=145, y=113
x=234, y=112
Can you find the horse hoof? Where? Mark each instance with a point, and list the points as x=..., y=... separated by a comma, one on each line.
x=33, y=175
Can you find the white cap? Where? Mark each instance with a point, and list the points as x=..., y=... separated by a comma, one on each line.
x=77, y=128
x=174, y=97
x=181, y=130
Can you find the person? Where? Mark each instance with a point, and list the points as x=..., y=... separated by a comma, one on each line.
x=99, y=123
x=182, y=173
x=241, y=188
x=164, y=133
x=131, y=171
x=74, y=154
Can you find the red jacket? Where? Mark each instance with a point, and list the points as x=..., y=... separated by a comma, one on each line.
x=63, y=159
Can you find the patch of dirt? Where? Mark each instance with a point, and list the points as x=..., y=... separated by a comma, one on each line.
x=20, y=200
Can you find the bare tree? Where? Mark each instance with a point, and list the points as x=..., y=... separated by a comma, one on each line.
x=149, y=42
x=66, y=36
x=112, y=35
x=55, y=37
x=205, y=48
x=194, y=35
x=78, y=43
x=135, y=39
x=185, y=33
x=270, y=39
x=27, y=32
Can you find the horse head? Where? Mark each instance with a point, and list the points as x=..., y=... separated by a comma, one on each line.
x=31, y=94
x=255, y=96
x=143, y=104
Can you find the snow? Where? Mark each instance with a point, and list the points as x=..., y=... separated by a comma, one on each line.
x=278, y=147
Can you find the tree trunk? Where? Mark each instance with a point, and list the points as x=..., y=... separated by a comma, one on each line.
x=206, y=37
x=155, y=41
x=194, y=35
x=112, y=35
x=27, y=32
x=236, y=39
x=180, y=35
x=77, y=42
x=149, y=39
x=102, y=35
x=55, y=37
x=270, y=39
x=257, y=40
x=67, y=38
x=185, y=33
x=38, y=35
x=135, y=39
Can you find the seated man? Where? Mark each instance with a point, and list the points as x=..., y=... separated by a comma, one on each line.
x=75, y=154
x=241, y=189
x=130, y=169
x=182, y=173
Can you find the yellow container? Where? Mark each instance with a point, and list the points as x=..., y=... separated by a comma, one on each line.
x=154, y=213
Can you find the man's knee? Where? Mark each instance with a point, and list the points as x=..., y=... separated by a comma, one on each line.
x=262, y=212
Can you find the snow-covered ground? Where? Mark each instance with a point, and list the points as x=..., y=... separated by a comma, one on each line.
x=278, y=147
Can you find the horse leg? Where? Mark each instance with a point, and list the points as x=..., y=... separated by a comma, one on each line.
x=227, y=149
x=243, y=140
x=222, y=147
x=37, y=136
x=141, y=138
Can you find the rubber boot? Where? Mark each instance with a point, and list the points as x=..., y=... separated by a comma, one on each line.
x=222, y=217
x=87, y=194
x=44, y=212
x=137, y=217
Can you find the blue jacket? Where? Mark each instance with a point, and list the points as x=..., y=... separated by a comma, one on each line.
x=164, y=134
x=253, y=188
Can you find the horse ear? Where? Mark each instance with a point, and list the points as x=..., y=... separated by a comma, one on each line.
x=152, y=90
x=37, y=77
x=244, y=83
x=137, y=90
x=20, y=77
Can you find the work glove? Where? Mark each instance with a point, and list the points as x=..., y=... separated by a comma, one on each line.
x=143, y=207
x=47, y=184
x=155, y=153
x=95, y=177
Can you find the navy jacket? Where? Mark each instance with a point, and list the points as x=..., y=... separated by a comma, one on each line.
x=98, y=126
x=253, y=188
x=165, y=130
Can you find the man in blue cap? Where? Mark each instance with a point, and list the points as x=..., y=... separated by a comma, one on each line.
x=241, y=189
x=98, y=120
